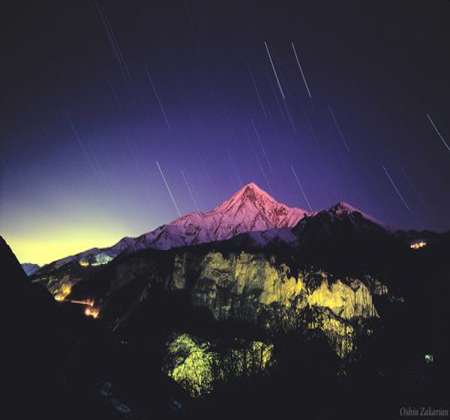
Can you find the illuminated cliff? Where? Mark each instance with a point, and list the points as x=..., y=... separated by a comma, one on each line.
x=245, y=286
x=197, y=367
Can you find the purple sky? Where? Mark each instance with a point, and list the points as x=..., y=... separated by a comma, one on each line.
x=82, y=126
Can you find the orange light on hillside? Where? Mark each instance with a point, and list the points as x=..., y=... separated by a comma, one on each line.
x=62, y=293
x=92, y=311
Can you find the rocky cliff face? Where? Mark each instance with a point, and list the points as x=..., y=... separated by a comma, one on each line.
x=249, y=286
x=224, y=283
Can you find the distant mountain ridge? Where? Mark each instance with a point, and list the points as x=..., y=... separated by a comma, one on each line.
x=248, y=210
x=250, y=217
x=30, y=268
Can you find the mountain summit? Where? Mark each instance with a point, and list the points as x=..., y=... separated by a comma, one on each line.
x=250, y=209
x=253, y=203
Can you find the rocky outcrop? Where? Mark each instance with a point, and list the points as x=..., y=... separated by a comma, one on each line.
x=271, y=289
x=347, y=301
x=248, y=286
x=223, y=282
x=198, y=366
x=33, y=340
x=258, y=287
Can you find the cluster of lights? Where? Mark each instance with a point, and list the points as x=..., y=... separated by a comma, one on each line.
x=418, y=245
x=99, y=259
x=63, y=292
x=92, y=311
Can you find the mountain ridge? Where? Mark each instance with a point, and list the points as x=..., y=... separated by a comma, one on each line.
x=250, y=215
x=250, y=209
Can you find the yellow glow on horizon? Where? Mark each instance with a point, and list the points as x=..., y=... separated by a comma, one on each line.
x=44, y=247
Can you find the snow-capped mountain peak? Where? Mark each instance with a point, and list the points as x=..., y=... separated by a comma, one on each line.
x=250, y=209
x=249, y=194
x=257, y=210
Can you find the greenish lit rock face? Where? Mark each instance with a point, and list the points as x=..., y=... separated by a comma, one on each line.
x=197, y=367
x=190, y=363
x=249, y=286
x=344, y=300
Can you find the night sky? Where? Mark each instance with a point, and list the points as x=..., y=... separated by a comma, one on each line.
x=93, y=94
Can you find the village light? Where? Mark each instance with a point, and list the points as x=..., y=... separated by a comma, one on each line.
x=417, y=245
x=92, y=311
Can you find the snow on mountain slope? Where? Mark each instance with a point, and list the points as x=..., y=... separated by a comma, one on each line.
x=249, y=210
x=262, y=238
